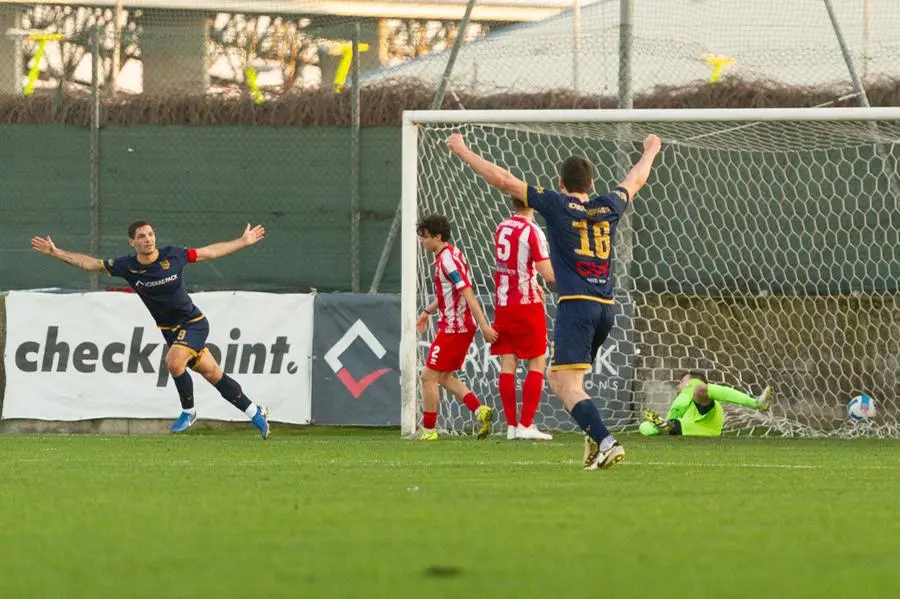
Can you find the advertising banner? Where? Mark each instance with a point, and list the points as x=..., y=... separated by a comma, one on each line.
x=356, y=375
x=100, y=355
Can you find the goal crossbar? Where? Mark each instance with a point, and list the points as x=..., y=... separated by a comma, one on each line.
x=647, y=115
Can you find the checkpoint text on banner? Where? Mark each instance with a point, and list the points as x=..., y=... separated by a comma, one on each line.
x=99, y=355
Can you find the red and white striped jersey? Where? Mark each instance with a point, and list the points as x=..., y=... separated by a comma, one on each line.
x=518, y=244
x=452, y=274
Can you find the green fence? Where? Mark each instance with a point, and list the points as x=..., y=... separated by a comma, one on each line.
x=201, y=185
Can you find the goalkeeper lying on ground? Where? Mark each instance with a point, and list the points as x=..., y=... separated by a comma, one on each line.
x=696, y=411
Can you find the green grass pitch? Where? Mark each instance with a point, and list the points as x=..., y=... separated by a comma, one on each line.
x=359, y=513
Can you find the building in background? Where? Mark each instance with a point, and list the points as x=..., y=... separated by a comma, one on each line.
x=221, y=46
x=676, y=42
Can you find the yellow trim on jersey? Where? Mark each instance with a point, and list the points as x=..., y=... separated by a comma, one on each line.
x=555, y=367
x=525, y=196
x=103, y=266
x=155, y=258
x=194, y=352
x=196, y=359
x=191, y=321
x=590, y=298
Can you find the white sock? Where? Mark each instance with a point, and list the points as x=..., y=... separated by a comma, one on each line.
x=251, y=410
x=192, y=412
x=607, y=442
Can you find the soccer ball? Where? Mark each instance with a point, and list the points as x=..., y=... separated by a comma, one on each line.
x=860, y=408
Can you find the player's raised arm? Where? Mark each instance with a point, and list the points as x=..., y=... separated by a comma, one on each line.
x=45, y=245
x=251, y=236
x=495, y=175
x=640, y=172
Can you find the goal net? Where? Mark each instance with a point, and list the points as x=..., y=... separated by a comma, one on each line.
x=765, y=250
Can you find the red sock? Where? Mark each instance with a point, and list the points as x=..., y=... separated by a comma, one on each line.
x=471, y=401
x=429, y=419
x=531, y=396
x=508, y=396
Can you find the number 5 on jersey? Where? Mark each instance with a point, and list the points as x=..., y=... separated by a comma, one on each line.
x=504, y=249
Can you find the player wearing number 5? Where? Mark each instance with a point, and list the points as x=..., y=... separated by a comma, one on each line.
x=581, y=230
x=520, y=253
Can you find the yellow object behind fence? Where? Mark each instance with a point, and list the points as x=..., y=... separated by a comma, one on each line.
x=253, y=86
x=346, y=52
x=718, y=63
x=35, y=70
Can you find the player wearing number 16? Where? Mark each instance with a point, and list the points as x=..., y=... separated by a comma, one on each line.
x=581, y=230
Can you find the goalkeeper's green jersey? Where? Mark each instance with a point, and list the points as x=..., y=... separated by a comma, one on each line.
x=693, y=423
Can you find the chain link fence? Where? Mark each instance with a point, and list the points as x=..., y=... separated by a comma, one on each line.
x=207, y=116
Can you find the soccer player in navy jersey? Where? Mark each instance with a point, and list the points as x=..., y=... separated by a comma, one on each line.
x=581, y=230
x=157, y=277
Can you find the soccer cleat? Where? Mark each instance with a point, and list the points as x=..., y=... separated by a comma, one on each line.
x=604, y=460
x=184, y=422
x=764, y=399
x=428, y=434
x=261, y=421
x=657, y=421
x=531, y=433
x=484, y=415
x=591, y=449
x=510, y=433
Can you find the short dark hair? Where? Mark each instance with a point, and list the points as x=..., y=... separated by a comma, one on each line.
x=434, y=225
x=133, y=227
x=694, y=374
x=577, y=174
x=517, y=204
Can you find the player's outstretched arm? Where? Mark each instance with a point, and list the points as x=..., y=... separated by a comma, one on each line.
x=45, y=245
x=251, y=236
x=487, y=331
x=640, y=172
x=495, y=175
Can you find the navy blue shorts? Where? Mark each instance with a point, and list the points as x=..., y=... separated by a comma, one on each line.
x=581, y=328
x=191, y=335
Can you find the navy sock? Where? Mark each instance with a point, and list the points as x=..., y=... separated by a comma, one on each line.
x=586, y=414
x=232, y=392
x=185, y=387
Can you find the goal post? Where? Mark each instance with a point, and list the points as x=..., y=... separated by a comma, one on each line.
x=765, y=251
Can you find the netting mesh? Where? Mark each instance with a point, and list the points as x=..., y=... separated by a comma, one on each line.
x=760, y=253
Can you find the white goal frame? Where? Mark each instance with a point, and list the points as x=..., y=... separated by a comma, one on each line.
x=409, y=201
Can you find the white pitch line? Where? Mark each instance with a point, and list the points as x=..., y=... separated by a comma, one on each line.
x=750, y=465
x=450, y=463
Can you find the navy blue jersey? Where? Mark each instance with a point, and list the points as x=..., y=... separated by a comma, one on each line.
x=160, y=284
x=581, y=237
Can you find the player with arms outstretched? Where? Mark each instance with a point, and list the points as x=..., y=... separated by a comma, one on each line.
x=696, y=410
x=520, y=252
x=156, y=275
x=459, y=311
x=581, y=230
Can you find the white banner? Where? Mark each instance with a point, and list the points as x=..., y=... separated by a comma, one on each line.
x=100, y=355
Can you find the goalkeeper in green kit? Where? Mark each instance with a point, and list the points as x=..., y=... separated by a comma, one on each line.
x=696, y=411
